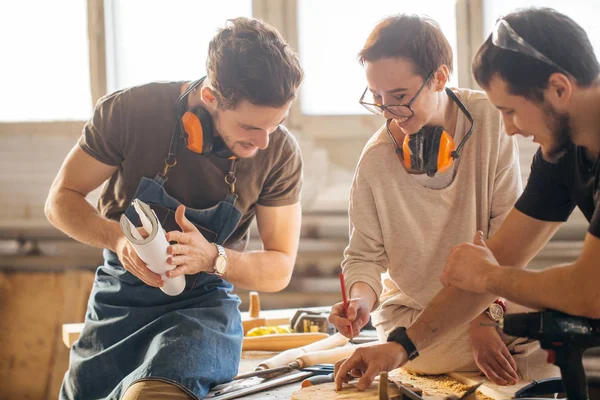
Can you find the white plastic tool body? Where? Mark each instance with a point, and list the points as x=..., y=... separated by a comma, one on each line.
x=153, y=248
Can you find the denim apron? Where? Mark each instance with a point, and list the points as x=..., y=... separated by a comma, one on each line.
x=134, y=332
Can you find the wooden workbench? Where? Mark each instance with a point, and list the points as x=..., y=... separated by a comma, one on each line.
x=435, y=387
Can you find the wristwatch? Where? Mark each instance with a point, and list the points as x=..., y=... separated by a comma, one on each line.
x=220, y=265
x=496, y=311
x=399, y=336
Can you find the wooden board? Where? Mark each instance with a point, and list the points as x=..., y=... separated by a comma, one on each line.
x=326, y=391
x=489, y=389
x=34, y=305
x=435, y=387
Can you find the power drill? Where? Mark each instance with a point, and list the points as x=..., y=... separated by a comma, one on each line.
x=565, y=337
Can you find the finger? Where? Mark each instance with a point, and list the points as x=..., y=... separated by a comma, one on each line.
x=502, y=376
x=179, y=237
x=511, y=360
x=478, y=239
x=356, y=373
x=178, y=260
x=491, y=375
x=336, y=368
x=345, y=330
x=179, y=270
x=338, y=320
x=367, y=379
x=505, y=365
x=337, y=314
x=342, y=325
x=357, y=326
x=130, y=266
x=337, y=309
x=148, y=277
x=179, y=249
x=182, y=221
x=143, y=232
x=349, y=364
x=145, y=271
x=151, y=278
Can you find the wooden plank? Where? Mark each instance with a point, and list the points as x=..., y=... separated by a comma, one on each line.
x=30, y=300
x=33, y=360
x=76, y=292
x=326, y=391
x=489, y=389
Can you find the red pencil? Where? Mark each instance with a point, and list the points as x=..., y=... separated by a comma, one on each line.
x=345, y=303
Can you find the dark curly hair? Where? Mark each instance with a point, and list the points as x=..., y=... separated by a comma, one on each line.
x=249, y=60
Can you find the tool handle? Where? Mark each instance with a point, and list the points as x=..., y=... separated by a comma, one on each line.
x=569, y=360
x=325, y=356
x=317, y=380
x=291, y=355
x=254, y=308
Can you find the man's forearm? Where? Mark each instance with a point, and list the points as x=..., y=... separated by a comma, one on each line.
x=265, y=271
x=70, y=212
x=450, y=308
x=561, y=288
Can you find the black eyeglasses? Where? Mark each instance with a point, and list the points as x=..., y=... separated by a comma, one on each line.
x=399, y=110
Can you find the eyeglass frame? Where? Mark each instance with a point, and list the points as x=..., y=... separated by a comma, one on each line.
x=384, y=107
x=533, y=52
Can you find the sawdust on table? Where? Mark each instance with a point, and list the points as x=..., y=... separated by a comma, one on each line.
x=433, y=384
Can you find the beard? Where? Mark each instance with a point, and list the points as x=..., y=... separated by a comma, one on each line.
x=229, y=141
x=233, y=145
x=560, y=128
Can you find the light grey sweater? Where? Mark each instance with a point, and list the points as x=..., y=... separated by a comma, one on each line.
x=401, y=232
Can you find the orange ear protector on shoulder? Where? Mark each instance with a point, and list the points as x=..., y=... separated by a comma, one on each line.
x=197, y=127
x=431, y=150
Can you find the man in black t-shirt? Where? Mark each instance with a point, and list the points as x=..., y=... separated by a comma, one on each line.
x=539, y=69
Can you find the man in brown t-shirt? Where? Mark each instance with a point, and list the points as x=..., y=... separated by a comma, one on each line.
x=138, y=341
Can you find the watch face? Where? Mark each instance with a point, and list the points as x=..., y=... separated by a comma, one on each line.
x=221, y=264
x=496, y=312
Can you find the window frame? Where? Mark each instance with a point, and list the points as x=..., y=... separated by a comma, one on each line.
x=283, y=16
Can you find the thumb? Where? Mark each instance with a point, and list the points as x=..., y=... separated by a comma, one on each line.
x=478, y=239
x=182, y=221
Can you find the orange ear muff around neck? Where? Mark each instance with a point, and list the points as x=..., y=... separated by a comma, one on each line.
x=194, y=132
x=446, y=149
x=406, y=153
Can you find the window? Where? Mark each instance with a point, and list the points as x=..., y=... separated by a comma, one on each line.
x=154, y=40
x=329, y=40
x=45, y=72
x=584, y=12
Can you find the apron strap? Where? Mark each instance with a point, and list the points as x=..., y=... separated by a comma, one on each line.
x=160, y=179
x=230, y=178
x=180, y=107
x=171, y=161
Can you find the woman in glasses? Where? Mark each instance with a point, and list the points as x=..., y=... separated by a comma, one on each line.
x=436, y=172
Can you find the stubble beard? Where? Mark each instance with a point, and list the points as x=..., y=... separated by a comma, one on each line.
x=560, y=127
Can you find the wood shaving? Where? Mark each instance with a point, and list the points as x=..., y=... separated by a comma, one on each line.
x=433, y=384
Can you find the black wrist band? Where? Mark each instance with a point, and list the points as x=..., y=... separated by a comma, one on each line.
x=399, y=336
